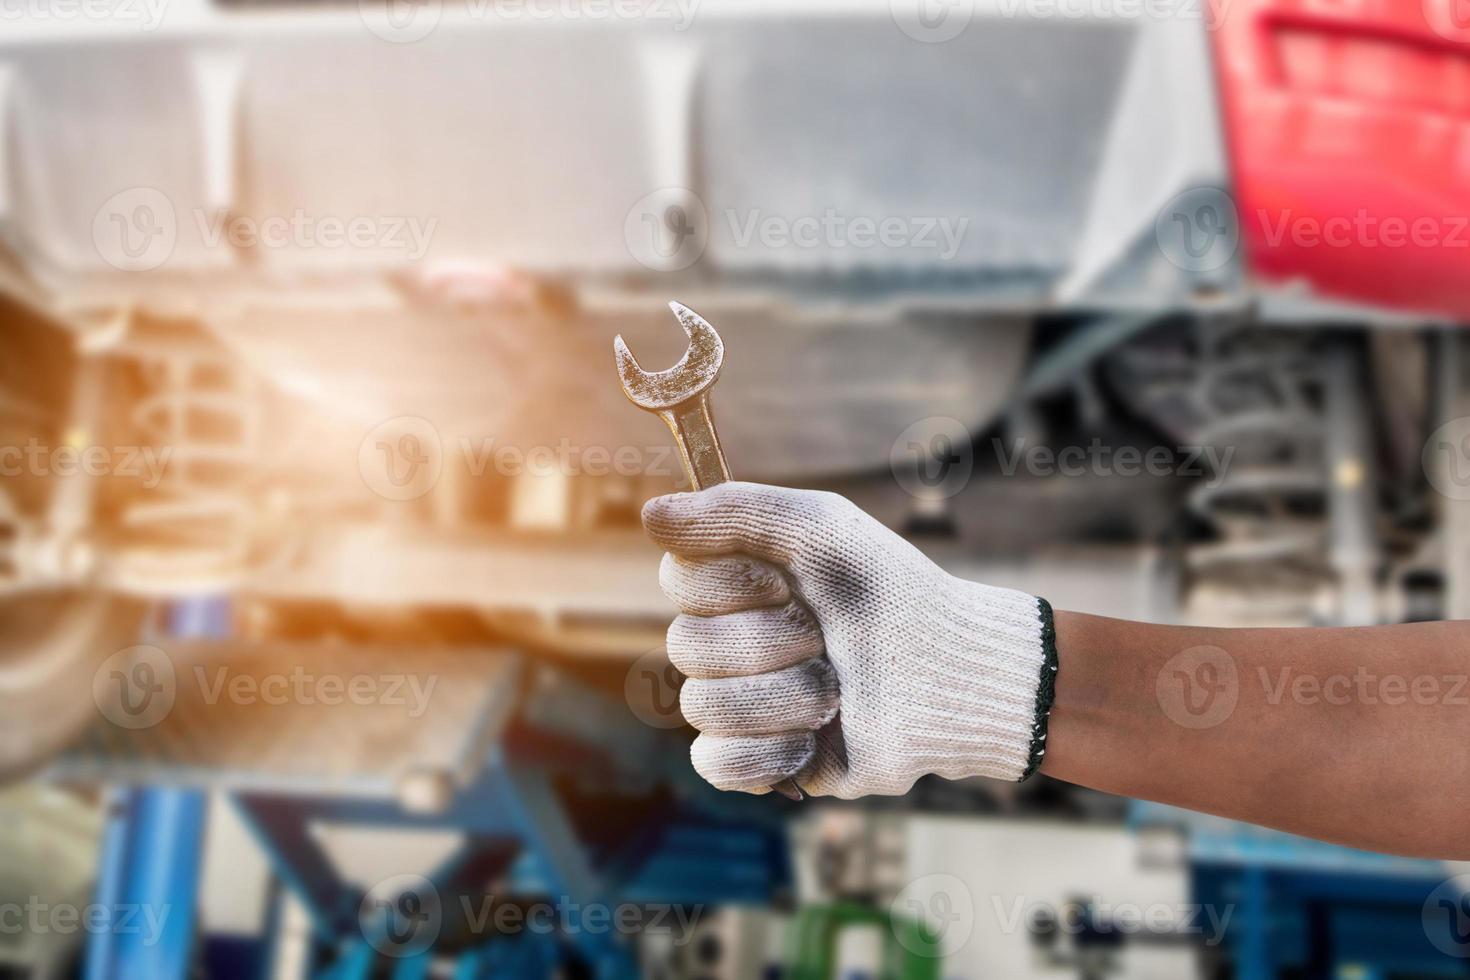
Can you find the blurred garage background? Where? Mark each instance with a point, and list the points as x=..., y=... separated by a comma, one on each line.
x=329, y=643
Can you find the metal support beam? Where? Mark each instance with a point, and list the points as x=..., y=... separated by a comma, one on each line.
x=150, y=871
x=298, y=860
x=1351, y=480
x=151, y=850
x=1452, y=401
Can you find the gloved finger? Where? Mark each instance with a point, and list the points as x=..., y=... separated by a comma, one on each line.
x=725, y=584
x=751, y=763
x=804, y=697
x=756, y=641
x=754, y=518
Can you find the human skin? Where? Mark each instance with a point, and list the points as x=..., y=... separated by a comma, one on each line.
x=1359, y=736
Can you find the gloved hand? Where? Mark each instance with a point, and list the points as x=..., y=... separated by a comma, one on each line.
x=821, y=645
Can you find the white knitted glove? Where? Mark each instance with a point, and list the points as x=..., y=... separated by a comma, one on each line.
x=822, y=646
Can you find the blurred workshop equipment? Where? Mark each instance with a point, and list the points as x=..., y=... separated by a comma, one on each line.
x=234, y=442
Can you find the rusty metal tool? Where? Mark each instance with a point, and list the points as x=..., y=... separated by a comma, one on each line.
x=680, y=396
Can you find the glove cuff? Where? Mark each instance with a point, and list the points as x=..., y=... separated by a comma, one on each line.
x=1046, y=689
x=989, y=715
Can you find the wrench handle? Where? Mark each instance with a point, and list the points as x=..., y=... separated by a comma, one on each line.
x=704, y=461
x=694, y=432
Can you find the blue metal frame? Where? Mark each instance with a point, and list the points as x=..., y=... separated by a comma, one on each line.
x=151, y=849
x=696, y=848
x=519, y=829
x=1317, y=909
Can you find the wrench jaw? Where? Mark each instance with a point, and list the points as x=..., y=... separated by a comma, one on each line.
x=696, y=371
x=635, y=380
x=706, y=349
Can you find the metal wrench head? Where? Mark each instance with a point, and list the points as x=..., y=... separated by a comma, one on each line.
x=695, y=372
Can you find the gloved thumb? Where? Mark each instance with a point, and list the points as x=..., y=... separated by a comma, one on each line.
x=754, y=518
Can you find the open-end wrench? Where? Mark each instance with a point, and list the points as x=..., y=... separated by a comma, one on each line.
x=680, y=396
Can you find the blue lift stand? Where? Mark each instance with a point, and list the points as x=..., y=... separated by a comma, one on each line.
x=558, y=792
x=151, y=848
x=1300, y=907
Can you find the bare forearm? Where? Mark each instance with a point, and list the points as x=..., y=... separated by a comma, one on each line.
x=1358, y=736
